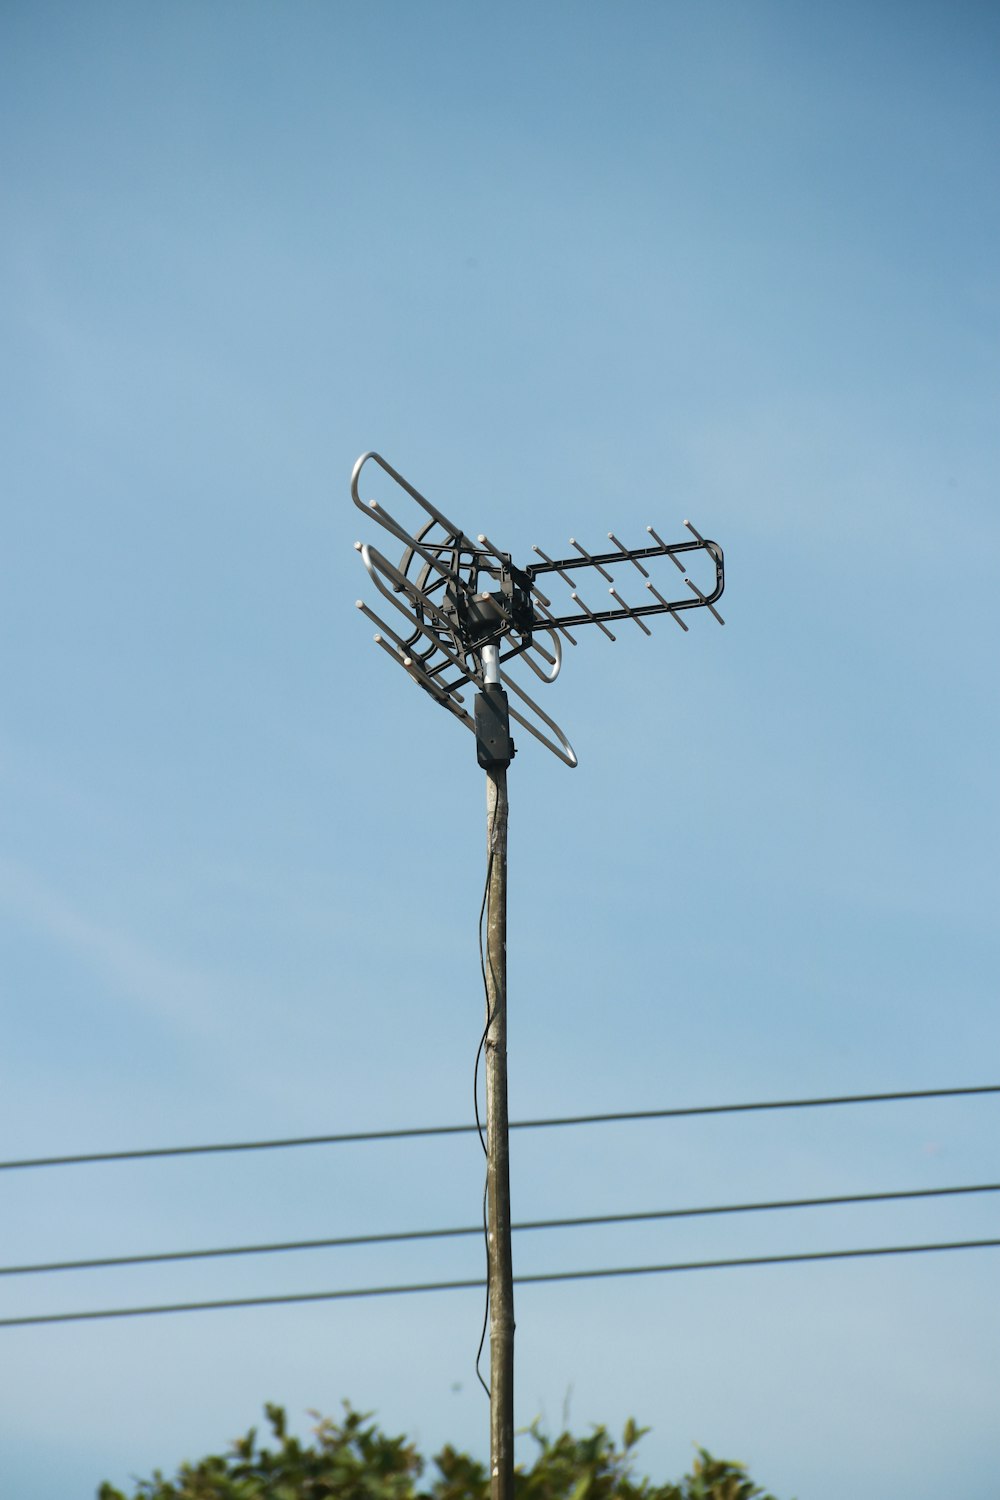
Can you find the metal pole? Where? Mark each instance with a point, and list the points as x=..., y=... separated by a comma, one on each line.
x=501, y=1276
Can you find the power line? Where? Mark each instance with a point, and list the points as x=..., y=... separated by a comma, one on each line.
x=579, y=1222
x=412, y=1132
x=478, y=1285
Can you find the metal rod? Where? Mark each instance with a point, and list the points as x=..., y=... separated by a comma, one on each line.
x=375, y=563
x=564, y=750
x=593, y=563
x=412, y=543
x=504, y=558
x=694, y=587
x=644, y=628
x=555, y=566
x=501, y=1272
x=536, y=645
x=711, y=548
x=654, y=590
x=587, y=610
x=484, y=540
x=406, y=650
x=449, y=700
x=490, y=655
x=404, y=484
x=554, y=661
x=380, y=640
x=548, y=615
x=674, y=559
x=626, y=554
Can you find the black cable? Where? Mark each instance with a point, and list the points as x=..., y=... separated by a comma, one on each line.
x=455, y=1286
x=475, y=1097
x=578, y=1222
x=412, y=1132
x=486, y=990
x=484, y=1230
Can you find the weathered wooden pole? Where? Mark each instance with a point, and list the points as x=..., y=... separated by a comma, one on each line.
x=490, y=608
x=501, y=1274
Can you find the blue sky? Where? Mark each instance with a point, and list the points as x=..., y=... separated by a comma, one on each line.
x=571, y=268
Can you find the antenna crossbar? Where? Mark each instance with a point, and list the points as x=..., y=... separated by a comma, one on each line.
x=627, y=554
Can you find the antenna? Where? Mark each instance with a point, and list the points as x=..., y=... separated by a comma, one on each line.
x=468, y=612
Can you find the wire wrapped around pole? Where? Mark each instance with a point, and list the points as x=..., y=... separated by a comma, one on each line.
x=501, y=1275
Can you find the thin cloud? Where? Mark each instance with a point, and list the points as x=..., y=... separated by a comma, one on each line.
x=181, y=997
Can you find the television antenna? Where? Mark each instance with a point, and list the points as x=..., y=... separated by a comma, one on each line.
x=470, y=618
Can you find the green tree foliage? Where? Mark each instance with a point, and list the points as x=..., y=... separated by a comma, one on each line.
x=354, y=1460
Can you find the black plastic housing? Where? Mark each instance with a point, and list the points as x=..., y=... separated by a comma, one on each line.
x=494, y=746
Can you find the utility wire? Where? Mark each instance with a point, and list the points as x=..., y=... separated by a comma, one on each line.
x=412, y=1132
x=477, y=1285
x=583, y=1221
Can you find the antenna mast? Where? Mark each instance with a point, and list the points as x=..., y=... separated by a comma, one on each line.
x=468, y=613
